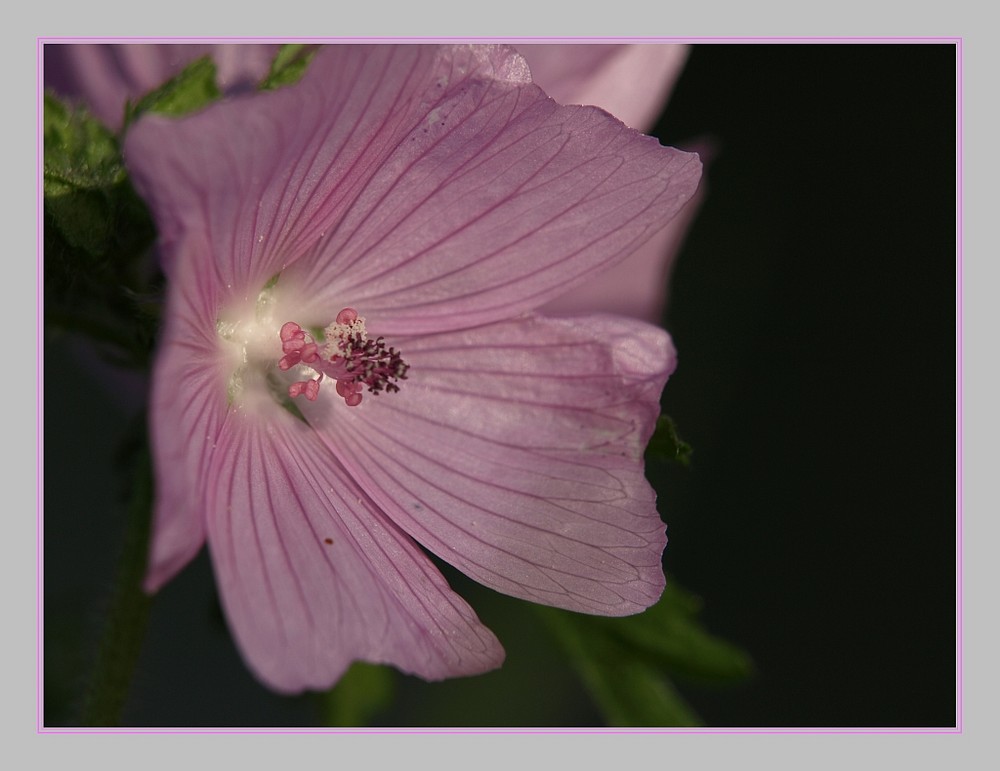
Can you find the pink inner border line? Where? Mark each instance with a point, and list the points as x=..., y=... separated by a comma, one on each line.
x=507, y=40
x=39, y=401
x=959, y=671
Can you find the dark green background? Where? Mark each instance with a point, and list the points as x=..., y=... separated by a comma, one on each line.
x=814, y=310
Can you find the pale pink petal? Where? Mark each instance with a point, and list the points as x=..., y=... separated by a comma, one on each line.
x=638, y=286
x=312, y=576
x=241, y=66
x=515, y=453
x=432, y=189
x=267, y=177
x=190, y=398
x=188, y=403
x=429, y=188
x=105, y=75
x=631, y=81
x=516, y=209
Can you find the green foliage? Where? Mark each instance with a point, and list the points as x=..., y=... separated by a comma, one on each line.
x=191, y=90
x=363, y=691
x=670, y=635
x=98, y=281
x=627, y=664
x=288, y=66
x=667, y=444
x=83, y=169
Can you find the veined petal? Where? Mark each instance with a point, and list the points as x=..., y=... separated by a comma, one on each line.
x=187, y=409
x=514, y=452
x=312, y=576
x=503, y=202
x=432, y=186
x=640, y=285
x=631, y=81
x=269, y=176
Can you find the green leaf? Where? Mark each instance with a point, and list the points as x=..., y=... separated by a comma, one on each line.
x=667, y=444
x=82, y=165
x=628, y=690
x=628, y=664
x=670, y=636
x=89, y=202
x=635, y=694
x=190, y=90
x=98, y=279
x=288, y=66
x=78, y=147
x=363, y=691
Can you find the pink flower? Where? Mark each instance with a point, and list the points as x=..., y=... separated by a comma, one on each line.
x=350, y=364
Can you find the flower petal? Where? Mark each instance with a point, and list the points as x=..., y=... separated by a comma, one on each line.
x=514, y=452
x=267, y=176
x=431, y=187
x=312, y=576
x=513, y=201
x=639, y=285
x=631, y=81
x=187, y=408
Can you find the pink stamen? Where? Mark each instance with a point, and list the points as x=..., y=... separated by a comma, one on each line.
x=308, y=388
x=289, y=330
x=349, y=357
x=297, y=346
x=347, y=387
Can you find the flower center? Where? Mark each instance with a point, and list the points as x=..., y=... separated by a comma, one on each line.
x=347, y=355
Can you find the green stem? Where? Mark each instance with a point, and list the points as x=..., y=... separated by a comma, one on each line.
x=128, y=613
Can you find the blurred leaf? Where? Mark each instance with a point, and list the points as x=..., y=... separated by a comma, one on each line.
x=190, y=90
x=78, y=146
x=82, y=167
x=670, y=636
x=98, y=280
x=635, y=694
x=288, y=66
x=628, y=690
x=363, y=691
x=627, y=663
x=667, y=444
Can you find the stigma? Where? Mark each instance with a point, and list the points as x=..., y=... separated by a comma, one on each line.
x=346, y=355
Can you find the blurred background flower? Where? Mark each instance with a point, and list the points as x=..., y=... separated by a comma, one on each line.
x=104, y=76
